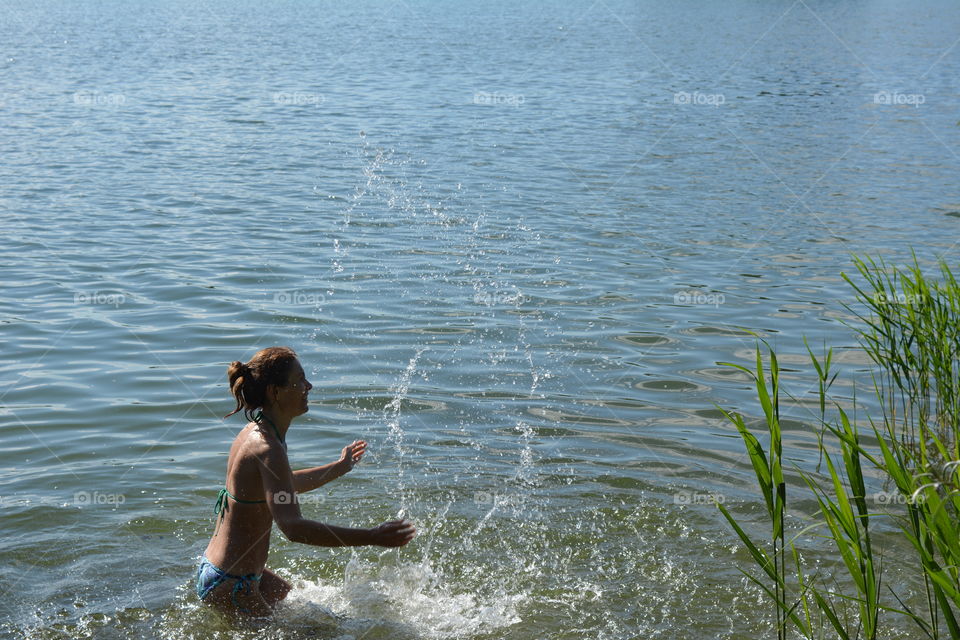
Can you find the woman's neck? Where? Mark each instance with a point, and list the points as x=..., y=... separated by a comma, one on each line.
x=280, y=422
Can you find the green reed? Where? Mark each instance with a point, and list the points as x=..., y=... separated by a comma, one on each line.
x=910, y=330
x=909, y=325
x=769, y=471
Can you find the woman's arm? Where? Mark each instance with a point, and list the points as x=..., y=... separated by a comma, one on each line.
x=309, y=479
x=278, y=489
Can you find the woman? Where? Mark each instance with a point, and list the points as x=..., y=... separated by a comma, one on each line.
x=261, y=489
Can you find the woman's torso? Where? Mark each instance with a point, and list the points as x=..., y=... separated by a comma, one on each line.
x=242, y=540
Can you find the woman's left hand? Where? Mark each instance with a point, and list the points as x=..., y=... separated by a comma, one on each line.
x=352, y=453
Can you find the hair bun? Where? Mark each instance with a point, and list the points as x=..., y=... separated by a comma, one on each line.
x=273, y=366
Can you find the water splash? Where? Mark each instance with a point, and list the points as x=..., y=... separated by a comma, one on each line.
x=476, y=577
x=402, y=600
x=391, y=414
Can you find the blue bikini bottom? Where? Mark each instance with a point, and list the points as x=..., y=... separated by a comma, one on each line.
x=210, y=575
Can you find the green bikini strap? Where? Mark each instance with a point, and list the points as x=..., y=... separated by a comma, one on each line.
x=221, y=505
x=260, y=415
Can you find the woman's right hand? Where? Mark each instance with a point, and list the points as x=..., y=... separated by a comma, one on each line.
x=394, y=533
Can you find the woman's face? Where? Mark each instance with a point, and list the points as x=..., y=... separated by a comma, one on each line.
x=292, y=398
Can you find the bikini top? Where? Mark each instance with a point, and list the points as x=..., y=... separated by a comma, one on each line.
x=220, y=508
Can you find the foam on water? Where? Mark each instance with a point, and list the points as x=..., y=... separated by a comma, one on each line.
x=403, y=599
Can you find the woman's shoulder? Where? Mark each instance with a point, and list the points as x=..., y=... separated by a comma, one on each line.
x=251, y=441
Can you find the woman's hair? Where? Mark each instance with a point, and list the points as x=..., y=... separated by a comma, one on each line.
x=248, y=381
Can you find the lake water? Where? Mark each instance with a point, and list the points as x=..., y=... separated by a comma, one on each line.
x=510, y=242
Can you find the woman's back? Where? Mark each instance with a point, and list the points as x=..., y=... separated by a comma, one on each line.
x=242, y=539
